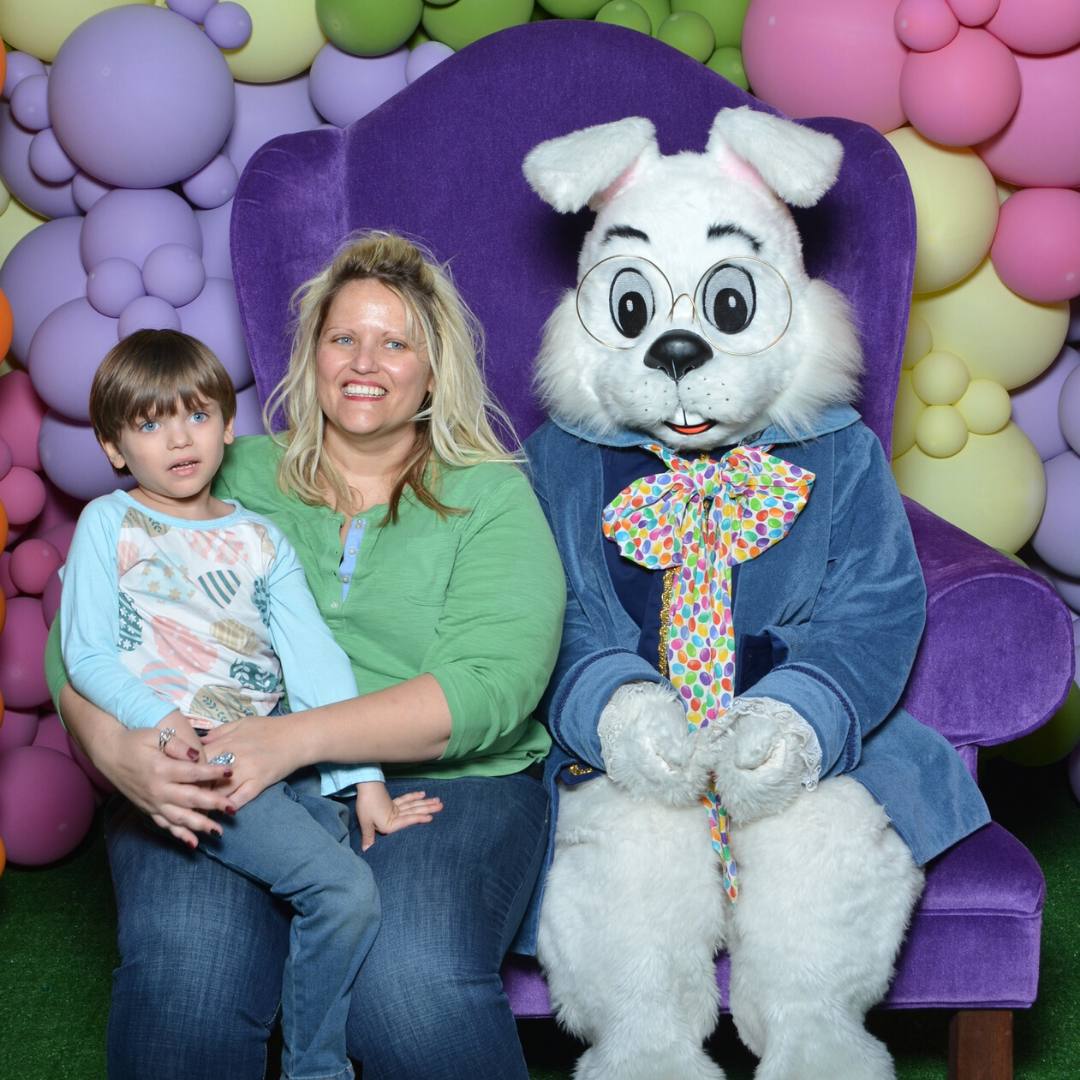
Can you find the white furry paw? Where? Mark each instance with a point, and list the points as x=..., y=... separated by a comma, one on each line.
x=766, y=754
x=648, y=750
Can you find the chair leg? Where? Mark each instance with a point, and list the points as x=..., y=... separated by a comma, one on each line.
x=981, y=1045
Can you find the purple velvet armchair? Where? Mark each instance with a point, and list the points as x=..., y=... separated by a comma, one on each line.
x=441, y=162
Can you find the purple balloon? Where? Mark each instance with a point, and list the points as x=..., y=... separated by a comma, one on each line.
x=1055, y=540
x=42, y=271
x=1035, y=405
x=213, y=185
x=46, y=805
x=140, y=97
x=22, y=655
x=248, y=413
x=174, y=273
x=48, y=200
x=195, y=10
x=266, y=110
x=214, y=319
x=20, y=66
x=113, y=284
x=66, y=351
x=30, y=102
x=1069, y=410
x=148, y=313
x=215, y=230
x=130, y=224
x=1068, y=588
x=18, y=729
x=87, y=191
x=73, y=460
x=48, y=160
x=228, y=25
x=345, y=88
x=424, y=57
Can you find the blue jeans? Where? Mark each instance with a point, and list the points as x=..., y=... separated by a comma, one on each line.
x=296, y=843
x=197, y=992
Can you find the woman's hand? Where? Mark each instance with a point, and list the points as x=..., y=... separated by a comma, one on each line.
x=265, y=750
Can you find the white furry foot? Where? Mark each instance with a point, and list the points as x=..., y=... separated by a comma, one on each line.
x=608, y=1060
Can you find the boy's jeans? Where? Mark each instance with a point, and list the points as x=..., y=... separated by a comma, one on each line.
x=296, y=843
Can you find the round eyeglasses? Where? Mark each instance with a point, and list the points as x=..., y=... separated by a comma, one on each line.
x=741, y=305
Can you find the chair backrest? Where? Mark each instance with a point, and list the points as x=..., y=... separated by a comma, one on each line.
x=441, y=162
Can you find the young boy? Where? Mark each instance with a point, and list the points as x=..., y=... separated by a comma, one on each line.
x=183, y=612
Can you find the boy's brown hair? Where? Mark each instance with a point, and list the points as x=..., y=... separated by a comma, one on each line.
x=146, y=374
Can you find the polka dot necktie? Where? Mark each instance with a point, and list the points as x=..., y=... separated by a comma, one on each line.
x=703, y=516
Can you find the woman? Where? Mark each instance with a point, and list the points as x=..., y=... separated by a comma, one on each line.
x=434, y=568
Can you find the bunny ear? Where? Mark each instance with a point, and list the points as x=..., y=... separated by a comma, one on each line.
x=796, y=162
x=590, y=166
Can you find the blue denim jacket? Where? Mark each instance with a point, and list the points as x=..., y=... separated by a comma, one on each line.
x=841, y=599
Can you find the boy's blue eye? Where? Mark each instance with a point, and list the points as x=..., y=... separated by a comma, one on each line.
x=199, y=417
x=149, y=425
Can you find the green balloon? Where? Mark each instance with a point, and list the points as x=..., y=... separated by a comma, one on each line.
x=726, y=17
x=1053, y=740
x=658, y=11
x=418, y=38
x=625, y=13
x=572, y=9
x=688, y=32
x=728, y=62
x=540, y=15
x=438, y=3
x=465, y=21
x=368, y=27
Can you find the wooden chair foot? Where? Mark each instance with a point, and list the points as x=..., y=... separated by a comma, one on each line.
x=981, y=1045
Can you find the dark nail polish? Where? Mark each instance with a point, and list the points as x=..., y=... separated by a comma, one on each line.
x=230, y=809
x=193, y=753
x=227, y=773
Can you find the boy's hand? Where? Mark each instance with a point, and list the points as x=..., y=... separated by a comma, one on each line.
x=377, y=812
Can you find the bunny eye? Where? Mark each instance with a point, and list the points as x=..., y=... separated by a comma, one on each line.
x=631, y=302
x=730, y=299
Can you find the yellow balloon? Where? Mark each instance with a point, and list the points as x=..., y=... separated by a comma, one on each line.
x=940, y=431
x=39, y=27
x=998, y=335
x=919, y=340
x=908, y=407
x=15, y=222
x=994, y=488
x=940, y=378
x=985, y=406
x=956, y=205
x=285, y=36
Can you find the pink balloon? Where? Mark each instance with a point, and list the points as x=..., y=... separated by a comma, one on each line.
x=60, y=513
x=21, y=413
x=826, y=58
x=50, y=598
x=974, y=12
x=51, y=733
x=963, y=93
x=1040, y=146
x=6, y=460
x=1069, y=411
x=7, y=586
x=60, y=536
x=1037, y=26
x=1035, y=406
x=23, y=495
x=1055, y=538
x=17, y=729
x=92, y=774
x=46, y=805
x=925, y=25
x=1036, y=249
x=32, y=563
x=22, y=655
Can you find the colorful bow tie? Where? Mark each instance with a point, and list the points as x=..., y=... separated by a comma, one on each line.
x=702, y=516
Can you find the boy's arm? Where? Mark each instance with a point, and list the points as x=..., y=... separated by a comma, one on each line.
x=90, y=623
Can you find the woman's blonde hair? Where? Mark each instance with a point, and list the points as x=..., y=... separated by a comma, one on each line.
x=454, y=425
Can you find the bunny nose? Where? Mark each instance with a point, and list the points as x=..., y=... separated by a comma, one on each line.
x=677, y=353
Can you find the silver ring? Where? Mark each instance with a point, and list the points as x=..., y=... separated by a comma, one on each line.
x=164, y=736
x=223, y=759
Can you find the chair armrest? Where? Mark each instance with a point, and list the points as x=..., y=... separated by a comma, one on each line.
x=996, y=658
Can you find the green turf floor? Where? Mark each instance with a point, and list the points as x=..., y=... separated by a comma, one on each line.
x=57, y=949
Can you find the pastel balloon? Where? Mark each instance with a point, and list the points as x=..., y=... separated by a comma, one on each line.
x=86, y=191
x=60, y=536
x=174, y=273
x=113, y=284
x=657, y=10
x=18, y=729
x=918, y=341
x=147, y=313
x=21, y=412
x=22, y=654
x=625, y=13
x=140, y=97
x=46, y=805
x=95, y=777
x=905, y=414
x=369, y=27
x=985, y=406
x=5, y=458
x=573, y=9
x=41, y=27
x=688, y=32
x=49, y=200
x=1036, y=249
x=285, y=38
x=228, y=25
x=1040, y=146
x=345, y=88
x=20, y=65
x=50, y=598
x=51, y=733
x=974, y=12
x=1068, y=406
x=214, y=318
x=7, y=586
x=29, y=102
x=940, y=378
x=130, y=224
x=1037, y=26
x=48, y=161
x=728, y=63
x=32, y=563
x=73, y=460
x=23, y=495
x=726, y=17
x=925, y=25
x=249, y=412
x=1054, y=740
x=994, y=488
x=195, y=10
x=214, y=226
x=1055, y=539
x=428, y=55
x=828, y=58
x=465, y=21
x=16, y=222
x=7, y=326
x=940, y=431
x=998, y=335
x=1068, y=588
x=66, y=352
x=264, y=112
x=963, y=93
x=213, y=185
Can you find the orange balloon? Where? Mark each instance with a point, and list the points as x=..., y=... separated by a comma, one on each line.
x=7, y=320
x=3, y=857
x=3, y=527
